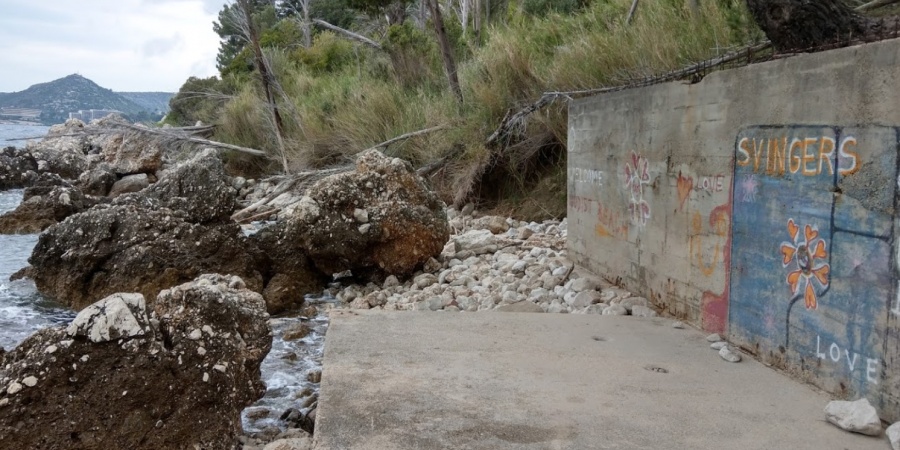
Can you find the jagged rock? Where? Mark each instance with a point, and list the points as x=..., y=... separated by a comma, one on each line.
x=198, y=187
x=97, y=181
x=858, y=416
x=15, y=164
x=125, y=248
x=406, y=223
x=43, y=206
x=134, y=154
x=129, y=184
x=63, y=151
x=152, y=390
x=288, y=272
x=115, y=317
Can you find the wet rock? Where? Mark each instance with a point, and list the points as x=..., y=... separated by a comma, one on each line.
x=858, y=416
x=43, y=206
x=125, y=248
x=290, y=444
x=298, y=331
x=406, y=222
x=288, y=272
x=129, y=184
x=146, y=391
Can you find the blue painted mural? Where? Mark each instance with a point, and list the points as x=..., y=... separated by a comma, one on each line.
x=814, y=254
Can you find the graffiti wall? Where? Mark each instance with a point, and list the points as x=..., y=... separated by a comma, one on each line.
x=758, y=205
x=812, y=277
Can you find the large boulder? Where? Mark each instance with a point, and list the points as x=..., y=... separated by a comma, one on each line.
x=129, y=248
x=289, y=274
x=64, y=151
x=123, y=376
x=127, y=152
x=380, y=217
x=199, y=187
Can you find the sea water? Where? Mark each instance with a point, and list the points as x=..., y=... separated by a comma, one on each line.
x=23, y=311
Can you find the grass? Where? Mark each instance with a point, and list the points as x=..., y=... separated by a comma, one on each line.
x=352, y=97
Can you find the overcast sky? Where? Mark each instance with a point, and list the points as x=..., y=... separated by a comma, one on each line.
x=123, y=45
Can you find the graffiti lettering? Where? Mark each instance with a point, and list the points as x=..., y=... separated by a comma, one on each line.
x=610, y=223
x=580, y=204
x=586, y=176
x=711, y=184
x=636, y=175
x=808, y=156
x=833, y=353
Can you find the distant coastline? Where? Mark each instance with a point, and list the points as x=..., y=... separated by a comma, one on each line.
x=20, y=122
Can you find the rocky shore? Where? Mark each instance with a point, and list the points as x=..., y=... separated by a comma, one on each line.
x=175, y=295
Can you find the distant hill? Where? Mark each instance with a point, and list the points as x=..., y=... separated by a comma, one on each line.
x=151, y=101
x=57, y=98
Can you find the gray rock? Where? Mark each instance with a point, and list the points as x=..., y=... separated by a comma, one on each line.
x=361, y=215
x=582, y=284
x=424, y=280
x=129, y=184
x=615, y=310
x=583, y=299
x=391, y=281
x=478, y=242
x=631, y=302
x=858, y=416
x=718, y=345
x=678, y=325
x=729, y=355
x=893, y=435
x=642, y=311
x=114, y=317
x=714, y=338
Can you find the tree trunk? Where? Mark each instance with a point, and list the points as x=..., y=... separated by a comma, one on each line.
x=265, y=77
x=794, y=25
x=307, y=25
x=446, y=51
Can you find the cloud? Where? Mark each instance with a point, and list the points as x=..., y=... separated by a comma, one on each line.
x=126, y=45
x=161, y=46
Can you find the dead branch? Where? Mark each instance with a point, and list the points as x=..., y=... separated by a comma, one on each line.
x=298, y=182
x=403, y=137
x=876, y=4
x=348, y=33
x=195, y=140
x=634, y=5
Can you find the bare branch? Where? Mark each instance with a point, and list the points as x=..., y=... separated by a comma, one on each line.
x=634, y=5
x=348, y=33
x=876, y=4
x=406, y=136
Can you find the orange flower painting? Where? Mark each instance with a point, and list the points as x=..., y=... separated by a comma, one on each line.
x=805, y=254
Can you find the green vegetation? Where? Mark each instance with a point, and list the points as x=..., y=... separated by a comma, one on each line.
x=341, y=96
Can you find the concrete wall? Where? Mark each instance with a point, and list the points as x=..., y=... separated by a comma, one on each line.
x=760, y=202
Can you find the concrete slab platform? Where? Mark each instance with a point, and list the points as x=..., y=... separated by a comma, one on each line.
x=405, y=380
